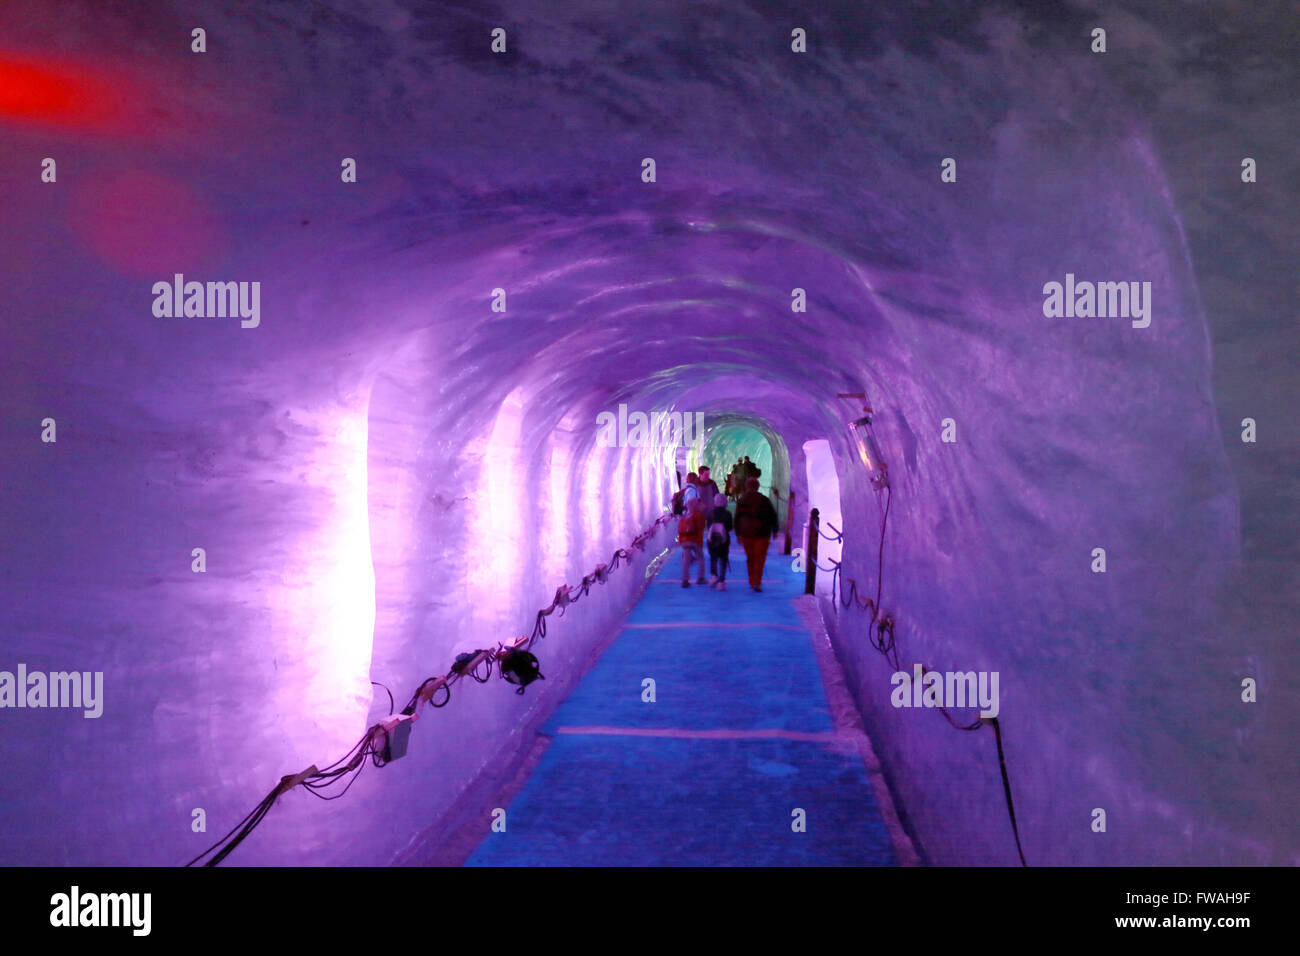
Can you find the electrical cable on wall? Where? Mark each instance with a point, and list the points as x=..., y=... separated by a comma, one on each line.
x=882, y=638
x=386, y=741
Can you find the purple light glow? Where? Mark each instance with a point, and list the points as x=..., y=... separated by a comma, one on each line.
x=386, y=472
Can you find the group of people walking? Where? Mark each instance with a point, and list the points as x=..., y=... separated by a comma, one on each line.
x=742, y=470
x=707, y=522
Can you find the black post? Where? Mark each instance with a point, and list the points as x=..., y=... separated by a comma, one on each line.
x=789, y=520
x=810, y=572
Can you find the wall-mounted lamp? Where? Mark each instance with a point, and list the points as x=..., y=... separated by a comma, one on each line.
x=869, y=451
x=519, y=667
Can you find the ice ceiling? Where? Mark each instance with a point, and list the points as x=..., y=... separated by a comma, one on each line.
x=386, y=471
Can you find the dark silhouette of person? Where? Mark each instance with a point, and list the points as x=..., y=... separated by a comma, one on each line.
x=756, y=522
x=736, y=479
x=718, y=541
x=708, y=487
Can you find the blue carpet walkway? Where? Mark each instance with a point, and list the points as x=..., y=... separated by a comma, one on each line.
x=740, y=736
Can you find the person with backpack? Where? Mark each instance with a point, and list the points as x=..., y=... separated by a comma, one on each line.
x=718, y=539
x=690, y=535
x=692, y=490
x=756, y=522
x=684, y=494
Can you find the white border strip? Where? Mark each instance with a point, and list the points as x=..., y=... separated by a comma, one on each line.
x=848, y=723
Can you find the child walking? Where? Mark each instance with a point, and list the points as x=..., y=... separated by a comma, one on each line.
x=719, y=541
x=690, y=535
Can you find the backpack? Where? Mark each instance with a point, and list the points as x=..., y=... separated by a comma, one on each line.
x=679, y=501
x=718, y=534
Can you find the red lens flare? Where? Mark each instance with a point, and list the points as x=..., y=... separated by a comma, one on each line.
x=55, y=94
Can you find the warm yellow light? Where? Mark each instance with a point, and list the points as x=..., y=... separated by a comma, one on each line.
x=868, y=451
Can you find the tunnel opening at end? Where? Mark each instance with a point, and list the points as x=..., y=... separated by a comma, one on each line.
x=732, y=440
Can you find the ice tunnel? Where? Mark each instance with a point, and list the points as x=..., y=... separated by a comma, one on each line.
x=312, y=311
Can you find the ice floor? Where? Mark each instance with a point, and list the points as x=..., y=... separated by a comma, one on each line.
x=711, y=773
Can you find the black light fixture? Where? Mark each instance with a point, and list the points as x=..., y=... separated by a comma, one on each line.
x=520, y=667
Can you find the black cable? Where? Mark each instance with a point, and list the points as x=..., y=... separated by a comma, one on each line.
x=353, y=762
x=390, y=696
x=888, y=647
x=234, y=829
x=880, y=560
x=854, y=600
x=355, y=758
x=345, y=758
x=1006, y=787
x=354, y=771
x=259, y=814
x=539, y=629
x=312, y=788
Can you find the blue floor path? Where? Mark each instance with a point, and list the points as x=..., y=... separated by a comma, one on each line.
x=713, y=772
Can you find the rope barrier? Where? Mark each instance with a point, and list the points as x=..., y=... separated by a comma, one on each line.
x=386, y=741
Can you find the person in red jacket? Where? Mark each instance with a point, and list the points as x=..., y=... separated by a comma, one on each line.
x=756, y=522
x=690, y=535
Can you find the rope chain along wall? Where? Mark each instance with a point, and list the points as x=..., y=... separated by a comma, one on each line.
x=386, y=741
